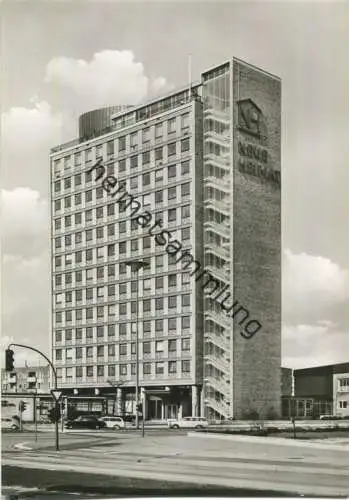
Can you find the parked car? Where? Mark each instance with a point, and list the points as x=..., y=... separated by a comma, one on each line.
x=331, y=417
x=9, y=423
x=187, y=423
x=116, y=423
x=85, y=422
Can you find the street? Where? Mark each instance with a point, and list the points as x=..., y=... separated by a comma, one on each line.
x=250, y=464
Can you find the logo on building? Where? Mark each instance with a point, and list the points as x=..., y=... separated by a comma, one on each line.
x=249, y=117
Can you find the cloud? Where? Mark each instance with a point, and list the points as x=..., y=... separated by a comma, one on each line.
x=25, y=221
x=314, y=288
x=28, y=133
x=25, y=302
x=111, y=77
x=316, y=344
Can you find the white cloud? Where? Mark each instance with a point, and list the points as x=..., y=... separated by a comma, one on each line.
x=321, y=343
x=111, y=77
x=24, y=215
x=28, y=133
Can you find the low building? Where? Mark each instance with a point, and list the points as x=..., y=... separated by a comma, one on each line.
x=26, y=380
x=341, y=394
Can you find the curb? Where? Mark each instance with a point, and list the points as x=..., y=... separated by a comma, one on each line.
x=272, y=441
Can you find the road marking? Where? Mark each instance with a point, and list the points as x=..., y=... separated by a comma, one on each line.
x=22, y=446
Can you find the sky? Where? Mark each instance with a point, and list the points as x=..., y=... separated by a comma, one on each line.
x=60, y=59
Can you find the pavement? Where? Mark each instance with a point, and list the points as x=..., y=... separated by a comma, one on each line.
x=240, y=462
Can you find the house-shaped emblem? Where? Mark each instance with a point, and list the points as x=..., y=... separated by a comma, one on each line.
x=249, y=117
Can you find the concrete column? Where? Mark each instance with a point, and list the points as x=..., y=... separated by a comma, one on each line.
x=144, y=403
x=202, y=402
x=162, y=411
x=118, y=400
x=194, y=401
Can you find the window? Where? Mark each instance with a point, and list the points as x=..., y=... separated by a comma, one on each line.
x=185, y=300
x=122, y=329
x=100, y=233
x=343, y=404
x=159, y=325
x=122, y=143
x=58, y=354
x=100, y=371
x=78, y=218
x=185, y=278
x=67, y=220
x=146, y=200
x=158, y=154
x=159, y=346
x=68, y=297
x=185, y=366
x=110, y=209
x=185, y=167
x=133, y=348
x=57, y=186
x=146, y=134
x=172, y=324
x=146, y=242
x=185, y=322
x=146, y=179
x=100, y=351
x=146, y=158
x=58, y=336
x=159, y=196
x=185, y=212
x=99, y=193
x=89, y=313
x=172, y=215
x=185, y=234
x=171, y=171
x=67, y=202
x=78, y=199
x=123, y=349
x=185, y=189
x=158, y=130
x=185, y=145
x=110, y=148
x=111, y=330
x=172, y=345
x=171, y=125
x=146, y=326
x=171, y=149
x=89, y=352
x=159, y=175
x=67, y=183
x=111, y=230
x=89, y=371
x=111, y=290
x=88, y=196
x=57, y=205
x=185, y=120
x=78, y=352
x=134, y=161
x=134, y=245
x=159, y=261
x=172, y=193
x=146, y=285
x=172, y=302
x=159, y=304
x=185, y=344
x=111, y=250
x=111, y=370
x=111, y=270
x=78, y=295
x=172, y=280
x=159, y=283
x=122, y=165
x=344, y=382
x=122, y=248
x=159, y=368
x=89, y=333
x=88, y=216
x=78, y=274
x=146, y=368
x=89, y=255
x=123, y=370
x=146, y=347
x=147, y=305
x=111, y=350
x=78, y=334
x=89, y=235
x=172, y=367
x=123, y=309
x=134, y=139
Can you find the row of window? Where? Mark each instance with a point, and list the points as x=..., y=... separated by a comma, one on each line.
x=146, y=285
x=124, y=309
x=124, y=349
x=112, y=270
x=125, y=226
x=125, y=369
x=132, y=183
x=134, y=139
x=123, y=329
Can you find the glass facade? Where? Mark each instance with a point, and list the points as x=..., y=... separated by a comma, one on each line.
x=217, y=236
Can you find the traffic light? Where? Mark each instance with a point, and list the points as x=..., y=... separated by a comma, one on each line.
x=22, y=406
x=139, y=408
x=9, y=360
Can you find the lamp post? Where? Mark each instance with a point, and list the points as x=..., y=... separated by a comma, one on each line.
x=135, y=266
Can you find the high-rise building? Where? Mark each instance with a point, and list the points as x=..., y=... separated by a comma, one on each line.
x=190, y=184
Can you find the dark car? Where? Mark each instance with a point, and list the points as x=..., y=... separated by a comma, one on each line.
x=85, y=423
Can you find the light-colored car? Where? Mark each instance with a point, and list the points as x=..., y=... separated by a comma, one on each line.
x=116, y=423
x=187, y=423
x=9, y=423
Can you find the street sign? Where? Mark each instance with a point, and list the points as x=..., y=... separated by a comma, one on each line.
x=56, y=394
